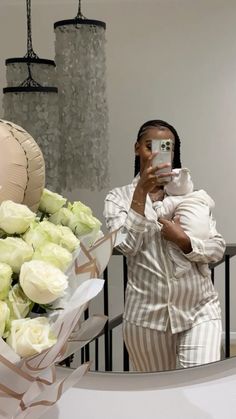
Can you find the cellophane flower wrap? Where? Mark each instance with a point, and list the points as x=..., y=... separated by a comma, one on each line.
x=50, y=264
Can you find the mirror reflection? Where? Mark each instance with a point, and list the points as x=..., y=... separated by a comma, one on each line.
x=168, y=299
x=166, y=78
x=172, y=314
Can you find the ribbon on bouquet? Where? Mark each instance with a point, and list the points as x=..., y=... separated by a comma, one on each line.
x=35, y=407
x=15, y=384
x=92, y=261
x=89, y=329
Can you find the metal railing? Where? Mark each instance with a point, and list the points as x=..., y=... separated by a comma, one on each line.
x=111, y=325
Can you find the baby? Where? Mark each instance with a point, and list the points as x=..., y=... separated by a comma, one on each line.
x=193, y=208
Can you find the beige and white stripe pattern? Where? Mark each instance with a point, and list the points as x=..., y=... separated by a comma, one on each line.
x=154, y=296
x=152, y=350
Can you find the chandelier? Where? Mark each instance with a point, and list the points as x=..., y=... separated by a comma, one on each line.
x=31, y=101
x=63, y=104
x=83, y=110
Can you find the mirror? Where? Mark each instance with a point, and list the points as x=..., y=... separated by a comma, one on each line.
x=170, y=60
x=167, y=54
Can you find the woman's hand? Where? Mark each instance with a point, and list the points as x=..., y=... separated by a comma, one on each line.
x=150, y=178
x=172, y=231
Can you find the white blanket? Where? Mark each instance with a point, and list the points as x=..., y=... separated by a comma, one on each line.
x=194, y=209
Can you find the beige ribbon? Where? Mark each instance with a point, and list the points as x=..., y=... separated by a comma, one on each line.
x=48, y=403
x=91, y=266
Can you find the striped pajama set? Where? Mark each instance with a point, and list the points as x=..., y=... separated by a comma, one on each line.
x=167, y=321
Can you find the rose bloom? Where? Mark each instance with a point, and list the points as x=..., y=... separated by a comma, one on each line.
x=68, y=240
x=18, y=303
x=5, y=280
x=42, y=282
x=62, y=216
x=51, y=202
x=84, y=223
x=36, y=236
x=52, y=231
x=30, y=336
x=54, y=254
x=4, y=317
x=78, y=207
x=15, y=218
x=14, y=252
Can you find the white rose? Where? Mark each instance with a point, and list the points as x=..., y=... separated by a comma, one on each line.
x=30, y=336
x=15, y=218
x=83, y=224
x=15, y=251
x=77, y=207
x=63, y=216
x=68, y=239
x=53, y=232
x=54, y=254
x=18, y=303
x=42, y=233
x=78, y=217
x=51, y=202
x=5, y=280
x=42, y=282
x=4, y=317
x=36, y=236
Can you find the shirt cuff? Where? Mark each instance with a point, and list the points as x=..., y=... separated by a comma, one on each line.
x=135, y=221
x=197, y=249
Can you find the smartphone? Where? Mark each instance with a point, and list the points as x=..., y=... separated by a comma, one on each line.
x=165, y=155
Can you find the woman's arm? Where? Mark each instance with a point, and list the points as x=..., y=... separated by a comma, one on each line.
x=132, y=219
x=210, y=250
x=131, y=223
x=195, y=250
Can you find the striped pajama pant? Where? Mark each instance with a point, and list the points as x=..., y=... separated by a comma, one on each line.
x=152, y=350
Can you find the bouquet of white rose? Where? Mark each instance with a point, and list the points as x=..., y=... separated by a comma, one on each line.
x=49, y=265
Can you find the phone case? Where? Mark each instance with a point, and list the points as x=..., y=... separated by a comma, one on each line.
x=164, y=148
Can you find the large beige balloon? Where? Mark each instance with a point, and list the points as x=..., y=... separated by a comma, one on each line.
x=22, y=167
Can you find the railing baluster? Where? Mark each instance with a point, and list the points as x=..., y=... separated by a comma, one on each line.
x=227, y=306
x=213, y=275
x=87, y=355
x=125, y=274
x=96, y=355
x=82, y=355
x=125, y=280
x=106, y=312
x=110, y=350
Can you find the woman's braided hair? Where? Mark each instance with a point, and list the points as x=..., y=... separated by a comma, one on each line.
x=159, y=123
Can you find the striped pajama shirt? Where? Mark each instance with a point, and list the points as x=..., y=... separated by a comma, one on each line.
x=156, y=300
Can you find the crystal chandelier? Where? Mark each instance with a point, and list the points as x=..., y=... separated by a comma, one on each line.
x=34, y=104
x=81, y=80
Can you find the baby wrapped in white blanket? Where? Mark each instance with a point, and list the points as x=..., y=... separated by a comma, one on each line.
x=194, y=209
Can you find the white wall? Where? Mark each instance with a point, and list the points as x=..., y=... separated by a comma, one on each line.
x=169, y=59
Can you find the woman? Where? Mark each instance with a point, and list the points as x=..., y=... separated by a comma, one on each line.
x=165, y=318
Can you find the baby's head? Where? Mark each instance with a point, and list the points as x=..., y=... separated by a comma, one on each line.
x=181, y=184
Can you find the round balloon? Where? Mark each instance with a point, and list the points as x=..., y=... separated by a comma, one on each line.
x=22, y=167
